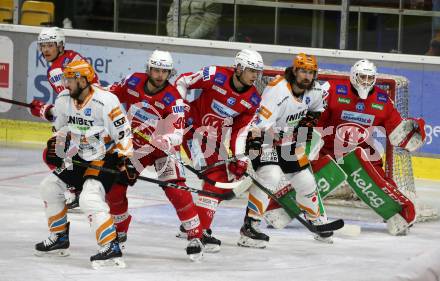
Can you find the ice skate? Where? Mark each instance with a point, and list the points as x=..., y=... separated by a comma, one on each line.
x=55, y=244
x=109, y=255
x=251, y=235
x=194, y=250
x=212, y=244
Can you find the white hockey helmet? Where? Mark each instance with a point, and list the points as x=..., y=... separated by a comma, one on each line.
x=51, y=34
x=249, y=59
x=161, y=59
x=363, y=77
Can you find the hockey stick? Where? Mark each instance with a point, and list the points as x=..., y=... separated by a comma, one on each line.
x=15, y=102
x=225, y=196
x=327, y=227
x=240, y=186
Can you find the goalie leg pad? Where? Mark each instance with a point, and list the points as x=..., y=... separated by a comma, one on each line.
x=329, y=176
x=276, y=216
x=371, y=187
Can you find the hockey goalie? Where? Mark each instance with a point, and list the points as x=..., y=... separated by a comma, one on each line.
x=356, y=109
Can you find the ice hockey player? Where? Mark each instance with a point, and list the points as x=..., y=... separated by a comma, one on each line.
x=92, y=132
x=357, y=107
x=290, y=108
x=223, y=111
x=51, y=42
x=156, y=112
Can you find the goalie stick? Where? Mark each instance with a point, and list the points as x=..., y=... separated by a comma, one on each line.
x=225, y=196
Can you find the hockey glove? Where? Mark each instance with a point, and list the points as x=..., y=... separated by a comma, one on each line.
x=129, y=173
x=309, y=121
x=42, y=110
x=238, y=168
x=52, y=157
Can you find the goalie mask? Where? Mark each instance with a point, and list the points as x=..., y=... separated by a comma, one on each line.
x=363, y=77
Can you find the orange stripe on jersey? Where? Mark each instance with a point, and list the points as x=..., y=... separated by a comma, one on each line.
x=266, y=113
x=114, y=113
x=94, y=172
x=275, y=81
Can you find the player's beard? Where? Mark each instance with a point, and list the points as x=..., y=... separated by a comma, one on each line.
x=304, y=86
x=158, y=86
x=77, y=92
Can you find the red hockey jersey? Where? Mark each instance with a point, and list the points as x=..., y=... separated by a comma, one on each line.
x=159, y=114
x=219, y=105
x=349, y=121
x=55, y=71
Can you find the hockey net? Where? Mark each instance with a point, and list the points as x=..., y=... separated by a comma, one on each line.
x=398, y=165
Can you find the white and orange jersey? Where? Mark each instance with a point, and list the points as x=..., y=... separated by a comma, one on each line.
x=98, y=126
x=281, y=111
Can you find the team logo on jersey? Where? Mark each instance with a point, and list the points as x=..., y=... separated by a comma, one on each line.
x=65, y=62
x=356, y=117
x=246, y=104
x=88, y=111
x=212, y=120
x=159, y=105
x=382, y=97
x=205, y=73
x=255, y=99
x=220, y=79
x=377, y=106
x=352, y=133
x=56, y=78
x=168, y=99
x=231, y=101
x=118, y=123
x=341, y=90
x=344, y=100
x=222, y=110
x=360, y=106
x=266, y=113
x=307, y=100
x=133, y=93
x=178, y=109
x=133, y=81
x=293, y=119
x=218, y=89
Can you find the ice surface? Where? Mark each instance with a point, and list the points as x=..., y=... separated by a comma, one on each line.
x=153, y=252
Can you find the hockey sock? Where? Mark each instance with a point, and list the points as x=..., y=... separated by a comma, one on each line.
x=117, y=201
x=186, y=210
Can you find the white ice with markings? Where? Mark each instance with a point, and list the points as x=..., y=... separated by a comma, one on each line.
x=154, y=253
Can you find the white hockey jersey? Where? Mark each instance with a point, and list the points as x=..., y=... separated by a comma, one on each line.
x=281, y=111
x=98, y=126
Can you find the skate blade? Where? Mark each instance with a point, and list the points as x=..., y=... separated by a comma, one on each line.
x=76, y=210
x=211, y=248
x=54, y=253
x=182, y=235
x=247, y=242
x=196, y=257
x=114, y=262
x=326, y=240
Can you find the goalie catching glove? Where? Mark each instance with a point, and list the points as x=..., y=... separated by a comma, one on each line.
x=409, y=134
